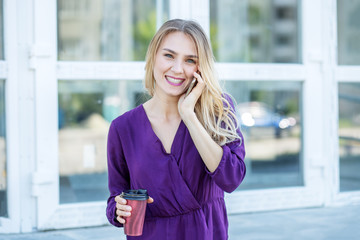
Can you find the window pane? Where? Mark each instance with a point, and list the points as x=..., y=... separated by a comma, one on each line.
x=86, y=109
x=107, y=30
x=255, y=30
x=348, y=32
x=349, y=136
x=3, y=185
x=270, y=116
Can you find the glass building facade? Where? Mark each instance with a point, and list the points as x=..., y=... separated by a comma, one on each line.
x=68, y=68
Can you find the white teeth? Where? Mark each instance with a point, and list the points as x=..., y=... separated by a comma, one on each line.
x=172, y=80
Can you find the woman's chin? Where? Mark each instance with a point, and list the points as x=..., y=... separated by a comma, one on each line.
x=176, y=93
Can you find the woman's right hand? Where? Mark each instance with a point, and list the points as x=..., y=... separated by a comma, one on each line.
x=123, y=210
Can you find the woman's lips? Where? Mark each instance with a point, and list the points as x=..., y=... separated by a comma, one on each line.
x=174, y=81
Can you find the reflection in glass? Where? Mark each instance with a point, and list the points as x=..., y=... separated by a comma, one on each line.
x=255, y=30
x=86, y=109
x=348, y=32
x=349, y=136
x=270, y=116
x=107, y=30
x=3, y=185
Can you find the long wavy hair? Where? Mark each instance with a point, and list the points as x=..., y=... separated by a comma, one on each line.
x=213, y=108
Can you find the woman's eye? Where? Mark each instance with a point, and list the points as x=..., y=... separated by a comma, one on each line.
x=190, y=61
x=168, y=55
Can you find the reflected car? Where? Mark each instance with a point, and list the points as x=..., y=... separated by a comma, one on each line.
x=259, y=115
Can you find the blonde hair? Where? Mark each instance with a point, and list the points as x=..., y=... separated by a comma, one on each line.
x=213, y=108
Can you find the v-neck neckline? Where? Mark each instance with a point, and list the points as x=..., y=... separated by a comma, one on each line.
x=148, y=122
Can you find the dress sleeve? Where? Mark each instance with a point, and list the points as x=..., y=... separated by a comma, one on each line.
x=231, y=170
x=118, y=174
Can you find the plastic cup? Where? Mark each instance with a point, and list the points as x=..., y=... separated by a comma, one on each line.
x=137, y=199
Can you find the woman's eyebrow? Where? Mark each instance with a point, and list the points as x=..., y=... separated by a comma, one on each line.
x=175, y=53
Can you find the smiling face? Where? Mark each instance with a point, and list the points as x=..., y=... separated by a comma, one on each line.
x=175, y=63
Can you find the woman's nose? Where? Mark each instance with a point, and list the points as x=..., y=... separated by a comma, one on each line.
x=177, y=67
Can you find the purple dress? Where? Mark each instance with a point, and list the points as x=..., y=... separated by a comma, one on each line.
x=188, y=199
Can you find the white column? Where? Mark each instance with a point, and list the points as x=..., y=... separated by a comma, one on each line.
x=26, y=98
x=330, y=100
x=200, y=12
x=180, y=9
x=43, y=55
x=314, y=112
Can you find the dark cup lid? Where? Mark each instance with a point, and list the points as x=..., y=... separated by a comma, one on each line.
x=132, y=194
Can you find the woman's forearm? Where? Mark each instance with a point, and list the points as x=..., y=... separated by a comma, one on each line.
x=209, y=150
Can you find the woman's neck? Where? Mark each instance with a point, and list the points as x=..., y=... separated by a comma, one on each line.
x=163, y=107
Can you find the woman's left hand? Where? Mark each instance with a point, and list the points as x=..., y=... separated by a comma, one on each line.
x=186, y=104
x=210, y=152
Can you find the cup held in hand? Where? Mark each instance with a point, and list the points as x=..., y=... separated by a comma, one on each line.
x=137, y=199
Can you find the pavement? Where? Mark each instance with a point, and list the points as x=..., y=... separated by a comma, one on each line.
x=325, y=223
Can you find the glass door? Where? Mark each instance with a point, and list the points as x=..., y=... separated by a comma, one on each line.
x=348, y=83
x=263, y=57
x=103, y=32
x=9, y=167
x=89, y=66
x=101, y=47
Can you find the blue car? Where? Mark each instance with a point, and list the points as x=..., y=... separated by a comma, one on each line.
x=259, y=115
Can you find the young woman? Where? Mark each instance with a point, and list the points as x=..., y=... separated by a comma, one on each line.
x=185, y=150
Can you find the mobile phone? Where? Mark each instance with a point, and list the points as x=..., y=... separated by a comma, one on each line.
x=192, y=85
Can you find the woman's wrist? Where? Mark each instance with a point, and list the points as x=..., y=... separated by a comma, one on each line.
x=189, y=118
